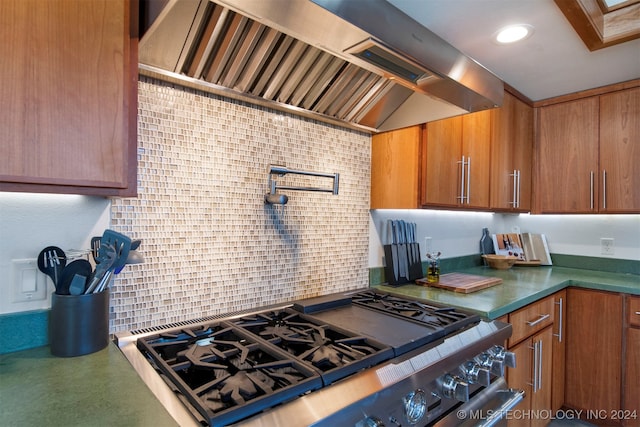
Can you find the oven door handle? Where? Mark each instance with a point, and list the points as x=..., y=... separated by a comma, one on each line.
x=515, y=397
x=486, y=408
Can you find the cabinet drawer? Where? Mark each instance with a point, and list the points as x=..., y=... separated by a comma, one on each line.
x=530, y=319
x=633, y=310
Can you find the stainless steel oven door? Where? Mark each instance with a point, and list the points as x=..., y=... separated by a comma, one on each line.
x=490, y=407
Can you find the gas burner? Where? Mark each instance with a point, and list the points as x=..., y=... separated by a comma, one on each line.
x=335, y=352
x=220, y=368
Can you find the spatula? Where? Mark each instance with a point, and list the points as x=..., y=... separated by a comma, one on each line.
x=80, y=267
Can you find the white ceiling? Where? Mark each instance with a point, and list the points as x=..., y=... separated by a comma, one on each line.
x=553, y=61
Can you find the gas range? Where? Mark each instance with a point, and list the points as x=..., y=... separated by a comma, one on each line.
x=359, y=358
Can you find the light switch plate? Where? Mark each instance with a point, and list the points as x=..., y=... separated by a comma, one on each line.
x=29, y=283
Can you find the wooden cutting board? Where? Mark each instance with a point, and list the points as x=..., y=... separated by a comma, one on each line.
x=463, y=283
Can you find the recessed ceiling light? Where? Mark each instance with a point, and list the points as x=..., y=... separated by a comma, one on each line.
x=513, y=33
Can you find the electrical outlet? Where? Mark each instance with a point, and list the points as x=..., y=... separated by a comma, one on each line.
x=515, y=229
x=29, y=283
x=606, y=246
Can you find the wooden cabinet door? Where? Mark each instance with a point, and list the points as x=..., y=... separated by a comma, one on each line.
x=631, y=374
x=511, y=155
x=476, y=147
x=567, y=157
x=632, y=378
x=68, y=121
x=533, y=374
x=541, y=397
x=620, y=151
x=395, y=172
x=594, y=350
x=521, y=377
x=442, y=174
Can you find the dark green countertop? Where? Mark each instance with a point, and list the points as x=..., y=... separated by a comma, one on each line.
x=99, y=389
x=103, y=389
x=520, y=286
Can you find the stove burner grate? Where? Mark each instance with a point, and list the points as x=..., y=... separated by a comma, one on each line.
x=226, y=373
x=335, y=352
x=448, y=318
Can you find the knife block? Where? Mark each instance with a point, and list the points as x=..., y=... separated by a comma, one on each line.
x=397, y=255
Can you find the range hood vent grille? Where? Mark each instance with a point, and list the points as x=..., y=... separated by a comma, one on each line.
x=299, y=60
x=230, y=50
x=374, y=52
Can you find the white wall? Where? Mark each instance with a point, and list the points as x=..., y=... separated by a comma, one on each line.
x=458, y=233
x=31, y=222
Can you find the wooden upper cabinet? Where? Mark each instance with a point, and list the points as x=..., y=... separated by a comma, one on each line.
x=620, y=152
x=587, y=154
x=443, y=152
x=69, y=96
x=395, y=168
x=511, y=155
x=567, y=157
x=456, y=171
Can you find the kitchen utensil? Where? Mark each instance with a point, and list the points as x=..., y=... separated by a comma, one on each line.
x=107, y=256
x=122, y=245
x=78, y=284
x=51, y=261
x=95, y=247
x=79, y=267
x=394, y=251
x=462, y=283
x=391, y=255
x=402, y=251
x=415, y=268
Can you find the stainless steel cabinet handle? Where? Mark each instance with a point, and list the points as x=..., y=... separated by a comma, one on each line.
x=538, y=320
x=468, y=180
x=534, y=382
x=518, y=191
x=591, y=183
x=604, y=189
x=638, y=313
x=539, y=365
x=514, y=203
x=462, y=164
x=559, y=334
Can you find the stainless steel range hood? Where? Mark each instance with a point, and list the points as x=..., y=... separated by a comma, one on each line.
x=357, y=63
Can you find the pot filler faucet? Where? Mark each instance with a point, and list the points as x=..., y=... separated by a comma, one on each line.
x=273, y=198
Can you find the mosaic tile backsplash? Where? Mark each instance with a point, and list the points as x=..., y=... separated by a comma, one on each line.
x=211, y=245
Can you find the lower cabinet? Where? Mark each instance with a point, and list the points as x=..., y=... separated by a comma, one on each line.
x=593, y=367
x=578, y=349
x=631, y=374
x=533, y=374
x=532, y=342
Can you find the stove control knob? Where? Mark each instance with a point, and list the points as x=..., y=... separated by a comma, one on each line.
x=502, y=357
x=415, y=406
x=485, y=360
x=475, y=373
x=490, y=363
x=370, y=422
x=455, y=388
